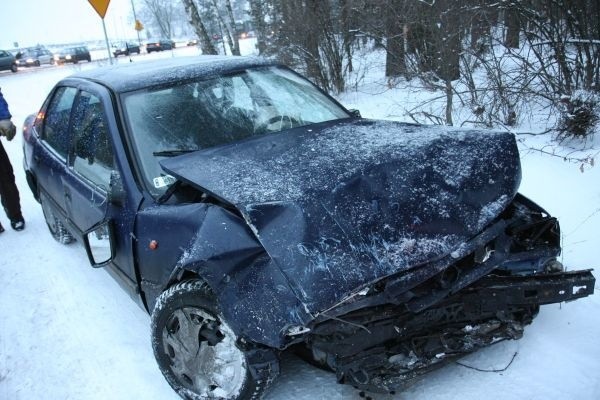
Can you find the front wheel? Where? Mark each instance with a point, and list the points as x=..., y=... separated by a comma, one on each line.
x=195, y=348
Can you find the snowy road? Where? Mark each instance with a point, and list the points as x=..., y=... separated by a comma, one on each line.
x=67, y=331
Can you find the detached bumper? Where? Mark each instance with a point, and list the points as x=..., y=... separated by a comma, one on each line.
x=385, y=348
x=493, y=293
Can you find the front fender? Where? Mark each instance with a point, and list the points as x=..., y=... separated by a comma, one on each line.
x=253, y=294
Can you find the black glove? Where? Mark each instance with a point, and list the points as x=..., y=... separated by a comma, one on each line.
x=8, y=129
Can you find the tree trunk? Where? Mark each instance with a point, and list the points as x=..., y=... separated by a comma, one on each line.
x=449, y=99
x=480, y=31
x=227, y=34
x=311, y=42
x=513, y=27
x=346, y=13
x=235, y=50
x=196, y=22
x=395, y=64
x=448, y=60
x=258, y=19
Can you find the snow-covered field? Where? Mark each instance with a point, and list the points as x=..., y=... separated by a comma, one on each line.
x=67, y=331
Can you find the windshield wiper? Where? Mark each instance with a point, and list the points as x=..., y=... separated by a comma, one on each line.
x=173, y=153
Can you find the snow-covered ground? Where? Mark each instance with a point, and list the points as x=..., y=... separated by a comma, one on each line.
x=67, y=331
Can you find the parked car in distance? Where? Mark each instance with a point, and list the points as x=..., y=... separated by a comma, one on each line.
x=159, y=45
x=34, y=57
x=125, y=49
x=192, y=42
x=8, y=61
x=73, y=55
x=250, y=213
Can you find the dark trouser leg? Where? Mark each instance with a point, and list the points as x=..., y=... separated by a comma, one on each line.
x=9, y=194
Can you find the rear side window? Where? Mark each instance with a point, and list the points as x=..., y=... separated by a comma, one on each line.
x=93, y=156
x=56, y=125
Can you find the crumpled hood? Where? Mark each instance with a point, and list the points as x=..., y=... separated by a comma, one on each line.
x=338, y=206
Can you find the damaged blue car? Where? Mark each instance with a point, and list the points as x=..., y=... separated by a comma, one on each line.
x=250, y=213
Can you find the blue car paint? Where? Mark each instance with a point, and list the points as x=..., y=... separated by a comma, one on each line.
x=144, y=273
x=256, y=256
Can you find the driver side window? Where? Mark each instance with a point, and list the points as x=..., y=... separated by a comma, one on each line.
x=56, y=123
x=93, y=156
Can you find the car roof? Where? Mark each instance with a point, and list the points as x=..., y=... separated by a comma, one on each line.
x=138, y=75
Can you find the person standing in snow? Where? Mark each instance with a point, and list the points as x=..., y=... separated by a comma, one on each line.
x=9, y=194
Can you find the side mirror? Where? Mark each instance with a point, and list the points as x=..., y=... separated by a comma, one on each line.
x=355, y=113
x=116, y=192
x=99, y=245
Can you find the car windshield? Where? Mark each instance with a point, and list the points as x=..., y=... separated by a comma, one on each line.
x=188, y=116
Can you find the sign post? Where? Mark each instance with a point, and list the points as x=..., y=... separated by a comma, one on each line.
x=101, y=6
x=138, y=25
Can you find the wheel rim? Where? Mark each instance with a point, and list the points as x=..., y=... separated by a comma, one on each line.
x=203, y=354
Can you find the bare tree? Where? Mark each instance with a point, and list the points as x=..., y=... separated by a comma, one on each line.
x=227, y=27
x=395, y=64
x=196, y=22
x=258, y=13
x=163, y=13
x=235, y=46
x=513, y=26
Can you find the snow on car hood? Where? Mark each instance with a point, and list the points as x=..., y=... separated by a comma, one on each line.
x=338, y=206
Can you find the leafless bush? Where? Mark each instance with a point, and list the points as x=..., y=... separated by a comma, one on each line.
x=580, y=115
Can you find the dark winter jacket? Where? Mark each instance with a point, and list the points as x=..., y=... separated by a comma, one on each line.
x=4, y=113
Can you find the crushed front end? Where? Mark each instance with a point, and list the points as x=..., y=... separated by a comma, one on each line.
x=387, y=334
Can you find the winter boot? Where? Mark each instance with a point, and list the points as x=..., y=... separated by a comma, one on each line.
x=18, y=225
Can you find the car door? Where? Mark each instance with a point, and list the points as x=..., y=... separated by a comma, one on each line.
x=44, y=57
x=49, y=158
x=92, y=166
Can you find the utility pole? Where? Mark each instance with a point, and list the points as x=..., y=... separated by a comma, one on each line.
x=101, y=6
x=136, y=21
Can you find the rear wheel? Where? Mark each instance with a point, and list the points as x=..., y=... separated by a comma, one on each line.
x=195, y=348
x=55, y=226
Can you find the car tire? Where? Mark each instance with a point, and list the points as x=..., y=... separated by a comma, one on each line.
x=37, y=63
x=186, y=322
x=14, y=68
x=55, y=226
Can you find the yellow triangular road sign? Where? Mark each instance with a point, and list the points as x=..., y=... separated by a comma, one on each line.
x=100, y=6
